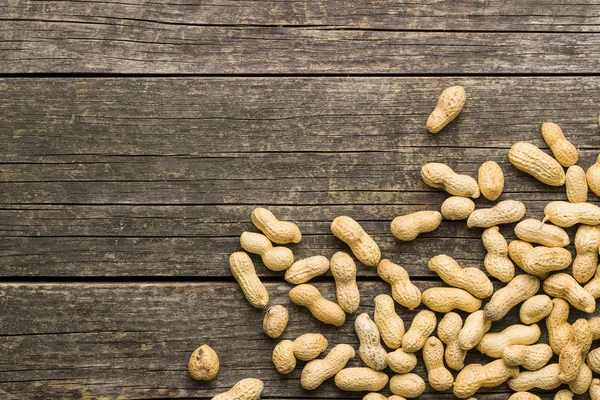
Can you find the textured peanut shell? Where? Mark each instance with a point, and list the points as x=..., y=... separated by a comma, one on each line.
x=441, y=176
x=564, y=394
x=517, y=250
x=401, y=362
x=582, y=382
x=545, y=378
x=374, y=396
x=283, y=357
x=592, y=177
x=491, y=180
x=493, y=344
x=476, y=376
x=531, y=357
x=576, y=184
x=593, y=360
x=535, y=309
x=557, y=326
x=407, y=385
x=343, y=270
x=593, y=286
x=443, y=300
x=438, y=376
x=542, y=260
x=594, y=323
x=303, y=271
x=457, y=208
x=322, y=309
x=280, y=232
x=404, y=291
x=530, y=159
x=472, y=280
x=474, y=328
x=371, y=351
x=564, y=286
x=244, y=273
x=308, y=346
x=595, y=389
x=575, y=350
x=524, y=396
x=390, y=325
x=360, y=380
x=275, y=258
x=496, y=261
x=318, y=371
x=519, y=289
x=204, y=363
x=564, y=152
x=449, y=105
x=246, y=389
x=448, y=330
x=408, y=227
x=565, y=214
x=505, y=212
x=275, y=321
x=362, y=245
x=422, y=327
x=587, y=243
x=535, y=231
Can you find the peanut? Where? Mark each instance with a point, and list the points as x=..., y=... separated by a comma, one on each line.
x=343, y=270
x=542, y=260
x=390, y=325
x=283, y=357
x=280, y=232
x=374, y=396
x=593, y=286
x=587, y=243
x=558, y=327
x=496, y=261
x=370, y=351
x=582, y=382
x=244, y=273
x=472, y=280
x=408, y=227
x=421, y=328
x=595, y=327
x=308, y=346
x=448, y=331
x=395, y=397
x=275, y=322
x=401, y=362
x=544, y=378
x=360, y=380
x=403, y=290
x=476, y=325
x=517, y=250
x=303, y=271
x=519, y=289
x=533, y=161
x=531, y=357
x=275, y=258
x=439, y=377
x=443, y=300
x=362, y=245
x=491, y=180
x=407, y=385
x=322, y=309
x=595, y=389
x=575, y=350
x=593, y=177
x=204, y=363
x=524, y=396
x=564, y=152
x=564, y=394
x=441, y=176
x=246, y=389
x=505, y=212
x=456, y=208
x=577, y=187
x=535, y=231
x=449, y=105
x=476, y=376
x=493, y=344
x=593, y=360
x=566, y=287
x=565, y=214
x=535, y=309
x=318, y=371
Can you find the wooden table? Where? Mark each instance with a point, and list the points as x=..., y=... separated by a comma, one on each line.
x=137, y=137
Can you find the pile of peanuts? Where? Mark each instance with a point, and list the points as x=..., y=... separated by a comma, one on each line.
x=520, y=360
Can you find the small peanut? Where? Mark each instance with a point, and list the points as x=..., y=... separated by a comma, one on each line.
x=575, y=350
x=545, y=378
x=439, y=377
x=582, y=382
x=496, y=261
x=322, y=309
x=448, y=330
x=566, y=287
x=557, y=326
x=577, y=187
x=362, y=245
x=275, y=322
x=472, y=280
x=593, y=360
x=441, y=176
x=491, y=180
x=533, y=161
x=303, y=271
x=476, y=376
x=517, y=250
x=244, y=273
x=403, y=290
x=564, y=152
x=519, y=289
x=275, y=258
x=476, y=325
x=535, y=309
x=505, y=212
x=449, y=105
x=390, y=325
x=400, y=361
x=370, y=351
x=374, y=396
x=587, y=243
x=564, y=394
x=542, y=260
x=360, y=380
x=318, y=371
x=421, y=328
x=595, y=327
x=456, y=208
x=204, y=363
x=593, y=177
x=595, y=389
x=443, y=300
x=343, y=270
x=308, y=346
x=280, y=232
x=493, y=344
x=565, y=214
x=531, y=357
x=246, y=389
x=408, y=227
x=593, y=286
x=407, y=385
x=283, y=357
x=524, y=396
x=535, y=231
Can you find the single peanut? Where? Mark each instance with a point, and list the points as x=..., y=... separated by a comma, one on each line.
x=421, y=328
x=374, y=396
x=476, y=325
x=407, y=385
x=491, y=180
x=496, y=261
x=577, y=187
x=318, y=371
x=535, y=309
x=542, y=260
x=456, y=208
x=204, y=363
x=595, y=327
x=519, y=289
x=593, y=286
x=370, y=351
x=275, y=258
x=476, y=376
x=280, y=232
x=566, y=287
x=587, y=243
x=244, y=273
x=530, y=159
x=308, y=346
x=275, y=322
x=593, y=177
x=564, y=152
x=403, y=290
x=449, y=105
x=443, y=300
x=448, y=330
x=564, y=394
x=493, y=344
x=360, y=380
x=439, y=377
x=283, y=357
x=246, y=389
x=362, y=245
x=582, y=382
x=575, y=350
x=303, y=271
x=524, y=396
x=531, y=357
x=505, y=212
x=390, y=325
x=441, y=176
x=408, y=227
x=595, y=389
x=535, y=231
x=472, y=280
x=322, y=309
x=565, y=214
x=400, y=361
x=557, y=326
x=545, y=378
x=343, y=270
x=517, y=250
x=593, y=360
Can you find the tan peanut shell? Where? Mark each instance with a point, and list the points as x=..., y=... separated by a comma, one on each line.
x=530, y=159
x=362, y=245
x=524, y=396
x=444, y=299
x=280, y=232
x=275, y=258
x=557, y=326
x=472, y=280
x=390, y=325
x=404, y=291
x=595, y=389
x=283, y=357
x=593, y=286
x=400, y=361
x=360, y=380
x=476, y=325
x=244, y=273
x=531, y=357
x=594, y=324
x=582, y=382
x=246, y=389
x=493, y=344
x=204, y=363
x=519, y=289
x=449, y=105
x=275, y=321
x=496, y=261
x=395, y=397
x=371, y=351
x=457, y=208
x=517, y=250
x=565, y=214
x=308, y=346
x=407, y=385
x=535, y=231
x=322, y=309
x=343, y=270
x=491, y=180
x=564, y=286
x=535, y=309
x=374, y=396
x=505, y=212
x=593, y=360
x=564, y=394
x=303, y=271
x=545, y=378
x=576, y=184
x=438, y=376
x=564, y=152
x=408, y=227
x=575, y=350
x=542, y=260
x=441, y=176
x=593, y=177
x=587, y=243
x=476, y=376
x=318, y=371
x=448, y=330
x=421, y=328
